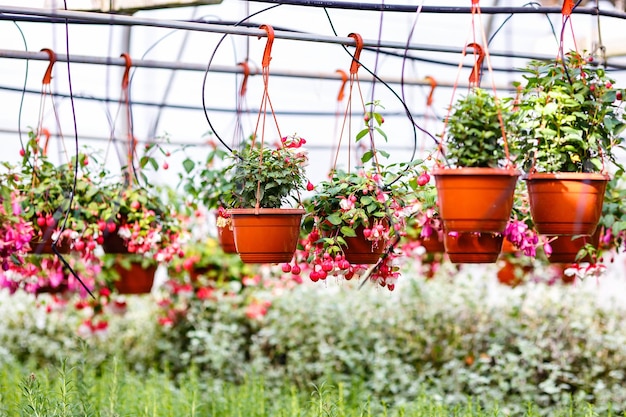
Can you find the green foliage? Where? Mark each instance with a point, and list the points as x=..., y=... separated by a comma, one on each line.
x=570, y=116
x=269, y=177
x=474, y=130
x=110, y=391
x=428, y=346
x=209, y=183
x=348, y=201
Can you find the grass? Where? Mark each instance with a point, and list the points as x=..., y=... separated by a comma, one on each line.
x=113, y=391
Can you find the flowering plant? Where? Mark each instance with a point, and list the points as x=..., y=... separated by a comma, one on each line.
x=15, y=232
x=570, y=116
x=268, y=176
x=349, y=204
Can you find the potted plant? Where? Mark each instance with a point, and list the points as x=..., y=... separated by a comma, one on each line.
x=44, y=189
x=16, y=232
x=477, y=194
x=568, y=122
x=267, y=179
x=211, y=187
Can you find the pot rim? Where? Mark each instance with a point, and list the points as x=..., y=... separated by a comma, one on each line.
x=512, y=172
x=590, y=176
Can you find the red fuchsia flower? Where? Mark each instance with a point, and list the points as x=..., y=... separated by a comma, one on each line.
x=205, y=293
x=310, y=186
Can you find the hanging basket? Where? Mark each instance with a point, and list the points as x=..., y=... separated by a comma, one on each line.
x=136, y=280
x=511, y=274
x=473, y=248
x=432, y=244
x=226, y=239
x=565, y=248
x=266, y=235
x=566, y=203
x=475, y=199
x=361, y=250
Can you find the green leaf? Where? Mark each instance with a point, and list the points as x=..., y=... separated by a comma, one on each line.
x=334, y=219
x=367, y=156
x=188, y=165
x=347, y=231
x=361, y=134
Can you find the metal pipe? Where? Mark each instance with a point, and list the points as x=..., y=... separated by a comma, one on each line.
x=109, y=19
x=199, y=108
x=142, y=63
x=329, y=4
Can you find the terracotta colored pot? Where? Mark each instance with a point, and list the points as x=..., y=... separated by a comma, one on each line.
x=566, y=203
x=473, y=248
x=475, y=199
x=508, y=247
x=432, y=244
x=266, y=235
x=44, y=247
x=226, y=238
x=565, y=248
x=511, y=274
x=363, y=251
x=136, y=280
x=114, y=244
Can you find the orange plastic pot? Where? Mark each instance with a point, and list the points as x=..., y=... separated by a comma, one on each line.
x=113, y=243
x=266, y=235
x=511, y=274
x=565, y=248
x=432, y=244
x=363, y=251
x=566, y=203
x=475, y=199
x=226, y=239
x=136, y=280
x=473, y=248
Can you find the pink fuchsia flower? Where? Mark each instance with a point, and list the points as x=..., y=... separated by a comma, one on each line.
x=257, y=309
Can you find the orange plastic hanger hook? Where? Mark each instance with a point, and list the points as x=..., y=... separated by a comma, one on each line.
x=246, y=73
x=268, y=46
x=128, y=64
x=477, y=70
x=568, y=7
x=344, y=79
x=433, y=85
x=358, y=39
x=45, y=132
x=53, y=58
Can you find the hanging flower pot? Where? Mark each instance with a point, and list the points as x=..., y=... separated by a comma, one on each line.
x=134, y=278
x=473, y=248
x=266, y=235
x=361, y=250
x=433, y=244
x=226, y=239
x=475, y=199
x=565, y=248
x=566, y=203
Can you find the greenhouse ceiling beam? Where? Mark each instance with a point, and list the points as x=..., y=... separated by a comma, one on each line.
x=168, y=65
x=174, y=143
x=196, y=108
x=10, y=13
x=403, y=8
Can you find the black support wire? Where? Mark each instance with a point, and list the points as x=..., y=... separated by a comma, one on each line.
x=401, y=8
x=190, y=107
